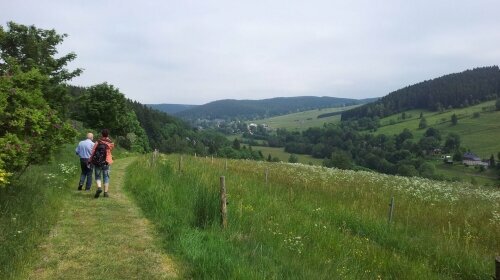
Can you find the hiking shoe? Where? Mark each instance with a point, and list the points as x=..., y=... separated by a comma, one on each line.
x=98, y=193
x=80, y=187
x=106, y=194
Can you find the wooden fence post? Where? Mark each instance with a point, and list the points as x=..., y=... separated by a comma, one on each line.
x=226, y=165
x=223, y=204
x=212, y=159
x=391, y=209
x=267, y=174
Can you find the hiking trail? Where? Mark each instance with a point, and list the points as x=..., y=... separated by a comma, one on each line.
x=104, y=238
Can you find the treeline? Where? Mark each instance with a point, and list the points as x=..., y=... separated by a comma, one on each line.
x=252, y=109
x=40, y=111
x=346, y=148
x=451, y=91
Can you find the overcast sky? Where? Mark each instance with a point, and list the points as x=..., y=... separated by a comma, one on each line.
x=193, y=52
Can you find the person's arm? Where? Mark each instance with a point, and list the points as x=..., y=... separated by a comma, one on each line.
x=77, y=150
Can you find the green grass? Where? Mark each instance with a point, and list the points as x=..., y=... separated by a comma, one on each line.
x=315, y=223
x=470, y=174
x=283, y=156
x=303, y=120
x=105, y=238
x=29, y=207
x=480, y=135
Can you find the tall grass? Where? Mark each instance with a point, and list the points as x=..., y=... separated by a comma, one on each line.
x=29, y=207
x=315, y=223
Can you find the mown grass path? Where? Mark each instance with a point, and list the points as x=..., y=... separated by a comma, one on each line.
x=105, y=238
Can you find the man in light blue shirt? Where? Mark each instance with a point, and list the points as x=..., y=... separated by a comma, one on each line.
x=84, y=150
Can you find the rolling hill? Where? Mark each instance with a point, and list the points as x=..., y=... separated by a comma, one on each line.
x=456, y=90
x=253, y=109
x=303, y=120
x=171, y=108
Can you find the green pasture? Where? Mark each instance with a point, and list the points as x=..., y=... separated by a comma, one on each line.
x=309, y=222
x=283, y=156
x=481, y=134
x=303, y=120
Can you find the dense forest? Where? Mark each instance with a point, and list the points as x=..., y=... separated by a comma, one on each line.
x=450, y=91
x=253, y=109
x=171, y=108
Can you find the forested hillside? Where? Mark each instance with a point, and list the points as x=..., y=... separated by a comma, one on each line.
x=454, y=90
x=252, y=109
x=171, y=108
x=40, y=110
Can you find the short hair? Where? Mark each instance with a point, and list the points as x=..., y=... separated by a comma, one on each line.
x=105, y=132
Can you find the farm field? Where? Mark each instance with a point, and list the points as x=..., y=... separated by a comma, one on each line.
x=283, y=156
x=310, y=222
x=468, y=174
x=480, y=135
x=303, y=120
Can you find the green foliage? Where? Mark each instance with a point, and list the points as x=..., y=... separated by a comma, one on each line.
x=30, y=131
x=311, y=222
x=34, y=48
x=453, y=90
x=423, y=123
x=293, y=159
x=29, y=207
x=339, y=159
x=454, y=119
x=452, y=142
x=104, y=106
x=252, y=109
x=427, y=170
x=236, y=144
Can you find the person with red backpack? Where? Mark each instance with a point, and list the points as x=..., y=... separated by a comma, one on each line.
x=101, y=159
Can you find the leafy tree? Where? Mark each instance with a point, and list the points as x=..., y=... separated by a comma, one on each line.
x=30, y=131
x=432, y=132
x=407, y=170
x=293, y=158
x=497, y=104
x=454, y=119
x=269, y=158
x=339, y=159
x=423, y=123
x=106, y=107
x=427, y=169
x=452, y=142
x=236, y=144
x=33, y=48
x=492, y=160
x=457, y=156
x=421, y=115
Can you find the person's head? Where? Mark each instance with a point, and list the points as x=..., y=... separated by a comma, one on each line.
x=90, y=136
x=105, y=132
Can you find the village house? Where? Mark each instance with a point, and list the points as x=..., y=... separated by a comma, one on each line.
x=470, y=159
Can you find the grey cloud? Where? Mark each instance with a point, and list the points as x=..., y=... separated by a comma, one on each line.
x=198, y=51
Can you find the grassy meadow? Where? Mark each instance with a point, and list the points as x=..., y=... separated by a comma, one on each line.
x=310, y=222
x=481, y=134
x=303, y=120
x=29, y=207
x=283, y=156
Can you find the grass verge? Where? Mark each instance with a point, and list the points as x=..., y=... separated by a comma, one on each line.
x=314, y=223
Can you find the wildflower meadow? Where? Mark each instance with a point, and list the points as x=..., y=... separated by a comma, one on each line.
x=309, y=222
